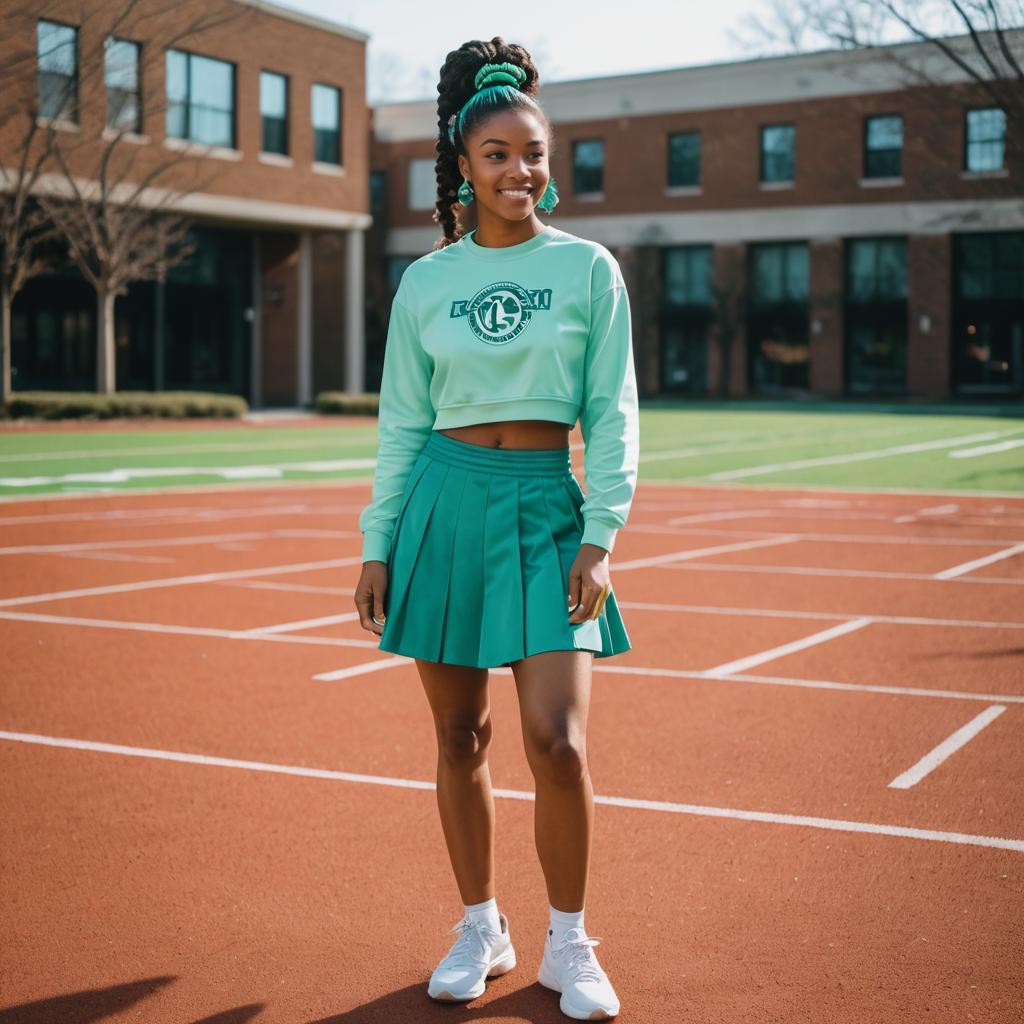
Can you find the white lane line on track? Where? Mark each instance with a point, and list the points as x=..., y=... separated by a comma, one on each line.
x=648, y=673
x=300, y=624
x=869, y=574
x=786, y=613
x=365, y=668
x=829, y=538
x=740, y=664
x=948, y=746
x=670, y=557
x=663, y=806
x=979, y=563
x=90, y=453
x=179, y=581
x=863, y=456
x=168, y=628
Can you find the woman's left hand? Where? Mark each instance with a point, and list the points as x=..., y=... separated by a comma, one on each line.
x=589, y=583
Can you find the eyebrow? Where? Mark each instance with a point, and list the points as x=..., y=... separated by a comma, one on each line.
x=502, y=142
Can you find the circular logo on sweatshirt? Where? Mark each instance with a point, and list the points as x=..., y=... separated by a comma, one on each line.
x=499, y=312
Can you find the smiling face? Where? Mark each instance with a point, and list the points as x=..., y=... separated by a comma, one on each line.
x=507, y=164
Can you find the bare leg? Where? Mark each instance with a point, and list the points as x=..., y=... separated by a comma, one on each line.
x=460, y=704
x=554, y=700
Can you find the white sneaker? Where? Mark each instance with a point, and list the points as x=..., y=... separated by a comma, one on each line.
x=478, y=953
x=572, y=969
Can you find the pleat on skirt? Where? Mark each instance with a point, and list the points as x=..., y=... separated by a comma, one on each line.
x=478, y=571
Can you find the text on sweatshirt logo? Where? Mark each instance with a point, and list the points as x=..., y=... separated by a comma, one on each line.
x=501, y=312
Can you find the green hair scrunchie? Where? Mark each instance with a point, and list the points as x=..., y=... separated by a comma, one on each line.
x=499, y=74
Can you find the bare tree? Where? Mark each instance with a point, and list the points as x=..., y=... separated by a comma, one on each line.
x=974, y=40
x=113, y=197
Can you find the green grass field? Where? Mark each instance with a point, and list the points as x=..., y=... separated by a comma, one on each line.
x=720, y=443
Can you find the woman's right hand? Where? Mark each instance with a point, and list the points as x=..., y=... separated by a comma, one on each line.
x=369, y=596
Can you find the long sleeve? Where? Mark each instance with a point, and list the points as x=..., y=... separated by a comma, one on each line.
x=405, y=419
x=609, y=419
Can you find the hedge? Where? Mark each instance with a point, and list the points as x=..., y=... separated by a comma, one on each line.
x=58, y=405
x=344, y=403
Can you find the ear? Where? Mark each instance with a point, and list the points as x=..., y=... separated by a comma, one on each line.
x=463, y=166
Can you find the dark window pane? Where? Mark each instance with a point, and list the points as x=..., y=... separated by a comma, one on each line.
x=121, y=76
x=588, y=166
x=684, y=158
x=57, y=69
x=986, y=135
x=883, y=145
x=326, y=124
x=688, y=275
x=778, y=152
x=274, y=112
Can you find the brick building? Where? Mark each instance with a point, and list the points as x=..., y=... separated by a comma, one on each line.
x=267, y=108
x=798, y=225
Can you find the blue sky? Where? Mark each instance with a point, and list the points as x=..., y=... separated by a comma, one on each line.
x=568, y=39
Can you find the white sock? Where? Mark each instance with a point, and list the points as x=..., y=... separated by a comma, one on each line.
x=561, y=922
x=486, y=912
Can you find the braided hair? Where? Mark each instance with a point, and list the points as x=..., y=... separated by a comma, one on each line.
x=457, y=84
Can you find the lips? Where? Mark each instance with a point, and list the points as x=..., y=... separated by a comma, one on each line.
x=517, y=193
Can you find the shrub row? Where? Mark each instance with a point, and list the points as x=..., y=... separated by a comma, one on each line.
x=345, y=404
x=58, y=405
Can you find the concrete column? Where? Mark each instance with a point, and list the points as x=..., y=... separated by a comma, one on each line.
x=304, y=372
x=355, y=298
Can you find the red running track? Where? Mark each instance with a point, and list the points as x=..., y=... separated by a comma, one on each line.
x=218, y=802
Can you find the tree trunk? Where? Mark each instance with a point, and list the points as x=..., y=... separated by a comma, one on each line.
x=5, y=343
x=106, y=367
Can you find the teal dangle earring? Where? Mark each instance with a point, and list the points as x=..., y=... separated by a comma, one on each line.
x=549, y=200
x=466, y=194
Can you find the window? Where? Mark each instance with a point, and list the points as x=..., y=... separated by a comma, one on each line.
x=778, y=152
x=875, y=327
x=777, y=321
x=378, y=190
x=687, y=315
x=422, y=184
x=688, y=275
x=326, y=124
x=274, y=112
x=200, y=99
x=57, y=66
x=684, y=158
x=985, y=137
x=121, y=77
x=588, y=166
x=883, y=146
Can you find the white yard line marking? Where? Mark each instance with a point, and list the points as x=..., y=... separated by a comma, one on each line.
x=360, y=670
x=988, y=449
x=662, y=561
x=179, y=581
x=663, y=806
x=300, y=624
x=125, y=474
x=949, y=746
x=870, y=574
x=740, y=664
x=978, y=563
x=878, y=453
x=785, y=613
x=91, y=453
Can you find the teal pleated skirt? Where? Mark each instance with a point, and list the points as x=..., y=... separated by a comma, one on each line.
x=478, y=571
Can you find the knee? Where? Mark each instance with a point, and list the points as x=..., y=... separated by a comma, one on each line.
x=461, y=743
x=560, y=759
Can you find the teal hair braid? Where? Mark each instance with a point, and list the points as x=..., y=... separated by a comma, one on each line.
x=491, y=78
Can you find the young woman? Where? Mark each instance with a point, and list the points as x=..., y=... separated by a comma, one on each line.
x=480, y=549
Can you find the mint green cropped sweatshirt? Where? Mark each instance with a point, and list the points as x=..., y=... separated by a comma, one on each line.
x=538, y=330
